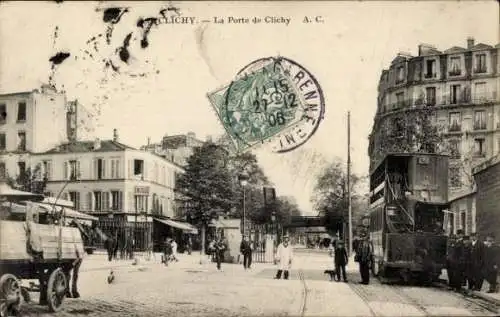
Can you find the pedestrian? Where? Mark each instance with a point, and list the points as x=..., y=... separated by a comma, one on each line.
x=189, y=245
x=457, y=262
x=109, y=245
x=284, y=257
x=468, y=272
x=341, y=260
x=364, y=256
x=167, y=251
x=477, y=262
x=219, y=248
x=449, y=260
x=491, y=263
x=246, y=251
x=173, y=243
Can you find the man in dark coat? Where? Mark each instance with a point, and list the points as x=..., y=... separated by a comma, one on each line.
x=457, y=262
x=477, y=262
x=341, y=260
x=449, y=260
x=491, y=263
x=246, y=250
x=468, y=272
x=219, y=248
x=364, y=256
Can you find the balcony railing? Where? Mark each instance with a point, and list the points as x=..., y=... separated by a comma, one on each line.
x=480, y=70
x=455, y=128
x=455, y=72
x=480, y=126
x=427, y=75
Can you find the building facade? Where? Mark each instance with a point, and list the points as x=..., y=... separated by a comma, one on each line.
x=462, y=214
x=177, y=148
x=123, y=186
x=487, y=176
x=458, y=88
x=30, y=122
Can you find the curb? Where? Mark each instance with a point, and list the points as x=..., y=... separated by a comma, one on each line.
x=487, y=297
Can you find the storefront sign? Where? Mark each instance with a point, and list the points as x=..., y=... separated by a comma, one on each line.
x=140, y=218
x=142, y=190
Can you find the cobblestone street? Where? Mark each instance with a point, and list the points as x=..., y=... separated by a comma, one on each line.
x=187, y=288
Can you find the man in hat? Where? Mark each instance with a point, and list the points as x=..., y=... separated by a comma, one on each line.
x=491, y=263
x=364, y=256
x=457, y=262
x=477, y=262
x=341, y=260
x=246, y=250
x=284, y=256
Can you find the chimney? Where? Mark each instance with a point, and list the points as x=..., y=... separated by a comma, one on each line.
x=470, y=42
x=424, y=48
x=149, y=141
x=97, y=144
x=115, y=135
x=191, y=135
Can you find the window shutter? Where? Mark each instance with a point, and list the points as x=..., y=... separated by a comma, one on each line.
x=131, y=205
x=77, y=202
x=78, y=172
x=104, y=169
x=120, y=200
x=89, y=201
x=130, y=168
x=65, y=170
x=145, y=171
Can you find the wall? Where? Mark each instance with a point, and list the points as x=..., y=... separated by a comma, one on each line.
x=488, y=200
x=464, y=204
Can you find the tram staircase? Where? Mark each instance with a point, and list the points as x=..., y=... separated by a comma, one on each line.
x=396, y=222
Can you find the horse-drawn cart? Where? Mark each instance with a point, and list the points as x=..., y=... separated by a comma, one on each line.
x=34, y=251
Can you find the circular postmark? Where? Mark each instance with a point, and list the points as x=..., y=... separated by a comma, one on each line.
x=273, y=100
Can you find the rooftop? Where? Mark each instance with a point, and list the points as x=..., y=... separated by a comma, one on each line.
x=89, y=146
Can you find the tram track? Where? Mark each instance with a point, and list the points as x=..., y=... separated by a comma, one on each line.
x=305, y=293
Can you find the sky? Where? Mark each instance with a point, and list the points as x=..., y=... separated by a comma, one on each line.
x=162, y=88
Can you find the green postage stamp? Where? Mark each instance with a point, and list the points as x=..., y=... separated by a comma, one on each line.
x=272, y=100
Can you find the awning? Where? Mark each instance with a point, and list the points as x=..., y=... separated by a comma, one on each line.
x=68, y=212
x=9, y=194
x=179, y=225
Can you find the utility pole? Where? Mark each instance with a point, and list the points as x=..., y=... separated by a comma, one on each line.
x=349, y=179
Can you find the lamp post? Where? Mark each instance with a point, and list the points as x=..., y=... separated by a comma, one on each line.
x=243, y=179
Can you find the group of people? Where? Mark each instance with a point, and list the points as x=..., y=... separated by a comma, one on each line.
x=122, y=243
x=470, y=262
x=169, y=251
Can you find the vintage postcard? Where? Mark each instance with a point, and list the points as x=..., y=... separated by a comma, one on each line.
x=249, y=158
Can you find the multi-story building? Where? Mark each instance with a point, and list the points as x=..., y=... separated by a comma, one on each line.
x=124, y=186
x=177, y=148
x=458, y=89
x=30, y=122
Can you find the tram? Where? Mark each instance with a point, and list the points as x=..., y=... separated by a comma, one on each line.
x=408, y=194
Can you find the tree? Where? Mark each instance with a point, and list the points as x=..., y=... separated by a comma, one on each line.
x=330, y=197
x=206, y=186
x=29, y=181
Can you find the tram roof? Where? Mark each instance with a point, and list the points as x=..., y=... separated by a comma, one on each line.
x=403, y=154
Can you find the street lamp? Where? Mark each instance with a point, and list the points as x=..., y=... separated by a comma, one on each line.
x=243, y=179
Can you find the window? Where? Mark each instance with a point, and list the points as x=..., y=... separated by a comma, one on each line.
x=48, y=194
x=115, y=168
x=480, y=63
x=455, y=148
x=3, y=113
x=75, y=198
x=401, y=75
x=72, y=170
x=463, y=214
x=105, y=201
x=21, y=111
x=138, y=167
x=454, y=94
x=3, y=142
x=430, y=93
x=479, y=147
x=455, y=177
x=21, y=145
x=47, y=169
x=455, y=69
x=455, y=123
x=21, y=169
x=431, y=68
x=479, y=120
x=100, y=168
x=116, y=200
x=3, y=170
x=480, y=92
x=400, y=99
x=97, y=200
x=141, y=203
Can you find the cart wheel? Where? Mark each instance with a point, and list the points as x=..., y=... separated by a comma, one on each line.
x=56, y=290
x=10, y=295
